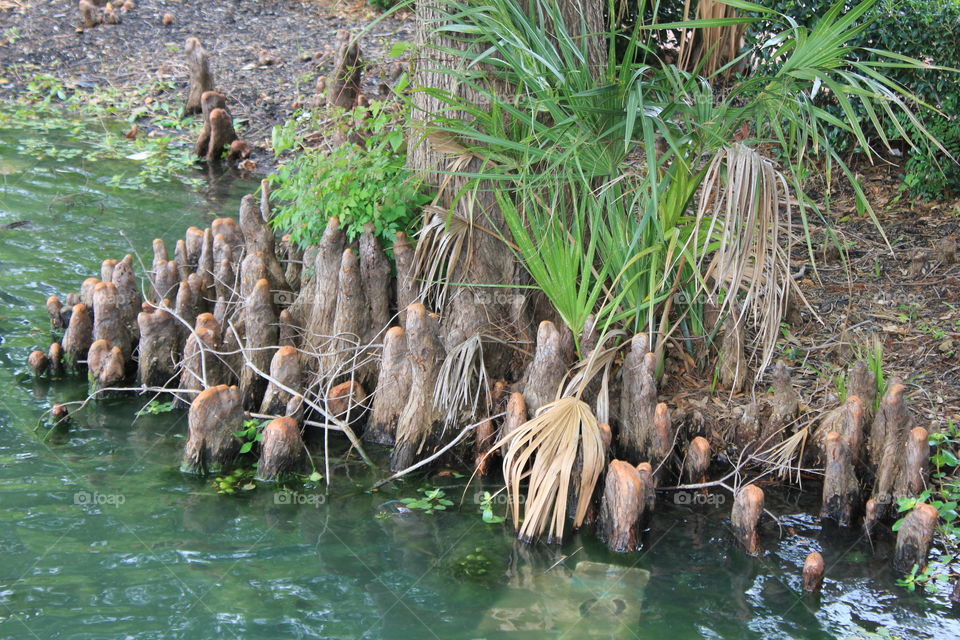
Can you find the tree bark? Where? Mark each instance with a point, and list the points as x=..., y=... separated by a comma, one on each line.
x=490, y=261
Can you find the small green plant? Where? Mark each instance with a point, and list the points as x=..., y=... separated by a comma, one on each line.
x=383, y=5
x=242, y=479
x=872, y=353
x=362, y=180
x=486, y=510
x=155, y=407
x=473, y=565
x=944, y=496
x=251, y=434
x=432, y=500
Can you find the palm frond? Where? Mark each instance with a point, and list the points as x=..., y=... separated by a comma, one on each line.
x=463, y=388
x=544, y=451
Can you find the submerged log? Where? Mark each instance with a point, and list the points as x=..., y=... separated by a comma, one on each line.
x=79, y=335
x=215, y=414
x=745, y=517
x=282, y=452
x=260, y=323
x=159, y=347
x=343, y=86
x=545, y=373
x=393, y=389
x=285, y=369
x=621, y=506
x=914, y=537
x=813, y=572
x=201, y=79
x=841, y=492
x=638, y=401
x=375, y=273
x=419, y=417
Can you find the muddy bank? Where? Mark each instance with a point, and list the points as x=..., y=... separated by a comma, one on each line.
x=265, y=56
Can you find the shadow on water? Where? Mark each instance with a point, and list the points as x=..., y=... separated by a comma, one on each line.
x=104, y=538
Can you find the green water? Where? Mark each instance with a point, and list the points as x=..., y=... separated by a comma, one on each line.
x=102, y=537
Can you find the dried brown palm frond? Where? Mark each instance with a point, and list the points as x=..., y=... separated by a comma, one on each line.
x=544, y=450
x=463, y=387
x=785, y=457
x=559, y=448
x=443, y=241
x=744, y=213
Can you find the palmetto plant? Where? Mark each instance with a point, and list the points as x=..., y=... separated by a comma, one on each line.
x=625, y=186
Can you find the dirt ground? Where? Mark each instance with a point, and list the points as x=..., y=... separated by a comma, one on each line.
x=39, y=36
x=901, y=294
x=904, y=294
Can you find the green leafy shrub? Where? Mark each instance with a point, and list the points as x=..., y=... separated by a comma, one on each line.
x=383, y=5
x=928, y=30
x=362, y=180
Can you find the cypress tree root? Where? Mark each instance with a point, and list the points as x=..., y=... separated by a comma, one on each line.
x=747, y=509
x=282, y=452
x=214, y=416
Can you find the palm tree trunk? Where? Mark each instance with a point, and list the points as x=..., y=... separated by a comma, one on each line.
x=500, y=314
